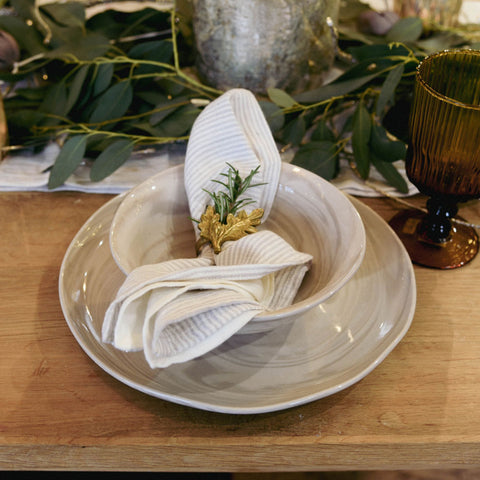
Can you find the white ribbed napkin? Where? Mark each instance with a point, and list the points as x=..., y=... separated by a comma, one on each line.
x=180, y=309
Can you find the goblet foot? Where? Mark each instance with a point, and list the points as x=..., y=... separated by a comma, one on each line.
x=458, y=249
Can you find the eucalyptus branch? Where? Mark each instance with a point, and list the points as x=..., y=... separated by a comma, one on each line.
x=44, y=25
x=319, y=129
x=123, y=60
x=188, y=84
x=299, y=107
x=176, y=61
x=142, y=36
x=22, y=63
x=184, y=79
x=143, y=76
x=95, y=126
x=136, y=139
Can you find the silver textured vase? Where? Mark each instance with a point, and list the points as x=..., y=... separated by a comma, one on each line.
x=259, y=44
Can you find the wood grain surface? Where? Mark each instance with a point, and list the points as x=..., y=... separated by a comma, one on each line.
x=419, y=409
x=471, y=474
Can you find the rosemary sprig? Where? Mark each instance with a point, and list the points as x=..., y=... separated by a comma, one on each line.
x=228, y=202
x=221, y=223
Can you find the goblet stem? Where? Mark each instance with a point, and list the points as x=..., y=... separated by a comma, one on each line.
x=436, y=227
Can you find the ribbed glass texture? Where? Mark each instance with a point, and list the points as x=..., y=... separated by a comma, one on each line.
x=444, y=130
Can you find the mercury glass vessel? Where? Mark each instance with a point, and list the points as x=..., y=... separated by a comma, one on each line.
x=258, y=44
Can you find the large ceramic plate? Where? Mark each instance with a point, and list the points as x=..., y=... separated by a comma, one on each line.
x=322, y=352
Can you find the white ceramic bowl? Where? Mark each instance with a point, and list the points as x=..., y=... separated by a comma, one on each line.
x=152, y=225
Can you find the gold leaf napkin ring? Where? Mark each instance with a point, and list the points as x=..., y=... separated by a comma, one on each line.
x=217, y=233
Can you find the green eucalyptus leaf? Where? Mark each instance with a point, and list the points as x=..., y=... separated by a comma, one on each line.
x=362, y=125
x=375, y=67
x=347, y=125
x=97, y=143
x=28, y=9
x=385, y=149
x=390, y=174
x=405, y=30
x=323, y=132
x=335, y=89
x=25, y=8
x=102, y=78
x=113, y=157
x=35, y=94
x=281, y=98
x=294, y=131
x=68, y=14
x=153, y=97
x=76, y=86
x=437, y=42
x=27, y=37
x=85, y=103
x=81, y=46
x=113, y=103
x=20, y=118
x=318, y=157
x=273, y=114
x=166, y=108
x=352, y=33
x=147, y=128
x=373, y=52
x=170, y=87
x=61, y=35
x=387, y=93
x=179, y=122
x=160, y=51
x=69, y=158
x=55, y=103
x=156, y=50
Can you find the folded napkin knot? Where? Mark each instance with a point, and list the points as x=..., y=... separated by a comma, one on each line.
x=179, y=309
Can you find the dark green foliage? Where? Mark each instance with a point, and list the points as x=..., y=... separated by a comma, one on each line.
x=104, y=85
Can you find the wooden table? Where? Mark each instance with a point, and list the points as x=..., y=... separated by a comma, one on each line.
x=58, y=410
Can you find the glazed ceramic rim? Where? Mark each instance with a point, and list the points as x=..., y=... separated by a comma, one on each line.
x=79, y=331
x=314, y=299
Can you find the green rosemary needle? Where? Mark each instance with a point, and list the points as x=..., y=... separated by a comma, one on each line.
x=228, y=202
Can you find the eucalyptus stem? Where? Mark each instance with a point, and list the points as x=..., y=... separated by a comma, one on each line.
x=93, y=126
x=18, y=65
x=299, y=107
x=136, y=139
x=176, y=61
x=122, y=59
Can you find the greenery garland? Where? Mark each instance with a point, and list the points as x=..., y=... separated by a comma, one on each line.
x=104, y=85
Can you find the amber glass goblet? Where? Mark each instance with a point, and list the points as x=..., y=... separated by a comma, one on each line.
x=443, y=158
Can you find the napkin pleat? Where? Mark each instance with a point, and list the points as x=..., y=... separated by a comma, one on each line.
x=260, y=140
x=243, y=138
x=263, y=248
x=174, y=341
x=179, y=309
x=288, y=282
